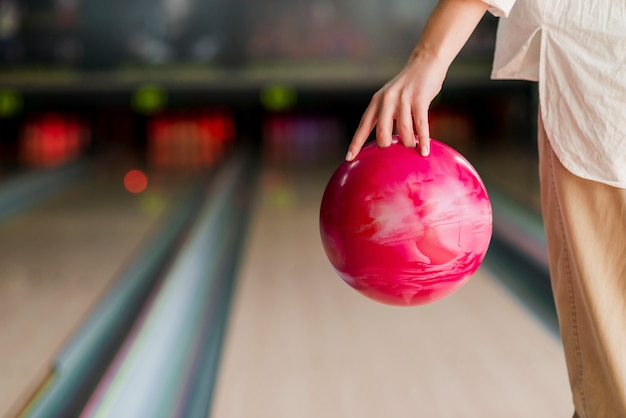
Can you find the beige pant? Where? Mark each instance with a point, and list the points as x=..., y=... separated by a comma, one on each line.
x=586, y=234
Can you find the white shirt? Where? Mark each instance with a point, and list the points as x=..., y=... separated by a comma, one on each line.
x=576, y=50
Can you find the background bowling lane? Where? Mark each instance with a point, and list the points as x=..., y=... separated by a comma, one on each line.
x=302, y=343
x=59, y=257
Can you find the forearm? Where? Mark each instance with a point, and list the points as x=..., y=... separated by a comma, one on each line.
x=448, y=29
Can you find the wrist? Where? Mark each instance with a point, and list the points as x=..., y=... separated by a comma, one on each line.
x=424, y=52
x=424, y=55
x=447, y=30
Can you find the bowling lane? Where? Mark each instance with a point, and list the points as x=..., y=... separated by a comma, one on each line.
x=60, y=257
x=301, y=343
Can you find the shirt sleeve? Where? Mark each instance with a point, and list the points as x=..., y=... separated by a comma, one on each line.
x=500, y=8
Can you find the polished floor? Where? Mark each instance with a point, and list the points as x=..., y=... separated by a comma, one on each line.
x=300, y=343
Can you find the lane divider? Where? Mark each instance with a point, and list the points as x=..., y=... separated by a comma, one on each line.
x=170, y=361
x=521, y=228
x=518, y=257
x=28, y=189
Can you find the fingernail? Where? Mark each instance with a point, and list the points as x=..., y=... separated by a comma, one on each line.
x=424, y=151
x=349, y=156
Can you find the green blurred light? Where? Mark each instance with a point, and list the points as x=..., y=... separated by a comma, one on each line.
x=278, y=98
x=152, y=204
x=149, y=99
x=10, y=103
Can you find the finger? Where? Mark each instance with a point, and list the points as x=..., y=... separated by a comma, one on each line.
x=368, y=120
x=384, y=125
x=404, y=124
x=423, y=133
x=424, y=145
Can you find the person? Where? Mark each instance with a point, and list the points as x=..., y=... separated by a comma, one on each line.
x=576, y=51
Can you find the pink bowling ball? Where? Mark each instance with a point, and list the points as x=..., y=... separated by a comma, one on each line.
x=403, y=229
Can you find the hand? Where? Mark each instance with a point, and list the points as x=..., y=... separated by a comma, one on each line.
x=406, y=100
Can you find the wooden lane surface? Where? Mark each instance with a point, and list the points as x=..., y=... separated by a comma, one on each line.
x=57, y=260
x=301, y=343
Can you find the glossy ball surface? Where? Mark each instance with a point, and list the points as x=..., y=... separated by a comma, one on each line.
x=403, y=229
